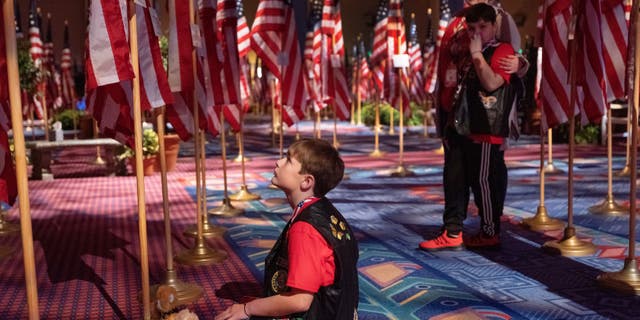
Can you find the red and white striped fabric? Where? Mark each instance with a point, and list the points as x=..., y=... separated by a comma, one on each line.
x=313, y=57
x=35, y=42
x=154, y=86
x=337, y=88
x=592, y=89
x=430, y=74
x=416, y=71
x=181, y=77
x=67, y=86
x=219, y=24
x=8, y=182
x=615, y=35
x=109, y=70
x=398, y=84
x=554, y=85
x=244, y=39
x=275, y=40
x=380, y=52
x=364, y=77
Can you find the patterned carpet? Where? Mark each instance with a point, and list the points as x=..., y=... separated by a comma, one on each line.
x=87, y=252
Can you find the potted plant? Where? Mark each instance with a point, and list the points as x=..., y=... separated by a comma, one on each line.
x=150, y=148
x=171, y=148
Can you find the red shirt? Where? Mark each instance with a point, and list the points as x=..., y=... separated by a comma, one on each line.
x=311, y=261
x=503, y=50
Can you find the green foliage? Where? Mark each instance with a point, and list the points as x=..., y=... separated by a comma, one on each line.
x=587, y=134
x=28, y=71
x=68, y=117
x=369, y=114
x=164, y=50
x=150, y=146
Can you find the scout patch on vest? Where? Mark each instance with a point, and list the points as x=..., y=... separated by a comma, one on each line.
x=279, y=281
x=338, y=229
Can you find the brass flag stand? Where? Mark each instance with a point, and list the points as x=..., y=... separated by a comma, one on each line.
x=570, y=244
x=96, y=134
x=200, y=254
x=225, y=209
x=185, y=292
x=244, y=194
x=541, y=221
x=401, y=170
x=609, y=206
x=627, y=280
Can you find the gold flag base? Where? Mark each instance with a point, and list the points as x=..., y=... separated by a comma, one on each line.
x=201, y=255
x=185, y=292
x=226, y=210
x=208, y=230
x=240, y=157
x=402, y=171
x=570, y=245
x=376, y=153
x=542, y=222
x=551, y=168
x=99, y=160
x=609, y=207
x=625, y=172
x=244, y=195
x=626, y=281
x=440, y=150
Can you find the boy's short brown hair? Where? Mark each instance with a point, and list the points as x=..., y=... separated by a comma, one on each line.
x=321, y=160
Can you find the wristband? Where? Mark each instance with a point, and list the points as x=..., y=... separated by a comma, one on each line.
x=244, y=308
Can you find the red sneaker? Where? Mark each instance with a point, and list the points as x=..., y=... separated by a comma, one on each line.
x=481, y=240
x=443, y=242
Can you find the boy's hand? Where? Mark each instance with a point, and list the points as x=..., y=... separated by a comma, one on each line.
x=234, y=312
x=475, y=43
x=510, y=63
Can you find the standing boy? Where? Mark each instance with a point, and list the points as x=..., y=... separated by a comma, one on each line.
x=311, y=271
x=475, y=158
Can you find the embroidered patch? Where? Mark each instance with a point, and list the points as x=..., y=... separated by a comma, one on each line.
x=278, y=281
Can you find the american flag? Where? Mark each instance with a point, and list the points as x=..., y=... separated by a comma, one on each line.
x=275, y=40
x=590, y=61
x=154, y=86
x=429, y=57
x=398, y=84
x=337, y=88
x=244, y=40
x=8, y=184
x=364, y=76
x=416, y=65
x=226, y=81
x=51, y=75
x=380, y=52
x=68, y=91
x=35, y=49
x=313, y=56
x=554, y=85
x=615, y=37
x=243, y=48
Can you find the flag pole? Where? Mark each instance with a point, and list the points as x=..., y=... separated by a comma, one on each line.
x=244, y=194
x=376, y=153
x=609, y=206
x=550, y=168
x=570, y=244
x=137, y=127
x=627, y=280
x=541, y=221
x=200, y=254
x=226, y=209
x=336, y=143
x=626, y=171
x=401, y=170
x=30, y=279
x=42, y=87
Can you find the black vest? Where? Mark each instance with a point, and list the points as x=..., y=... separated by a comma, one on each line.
x=335, y=302
x=488, y=111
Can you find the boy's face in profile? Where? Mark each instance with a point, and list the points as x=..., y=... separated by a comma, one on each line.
x=483, y=29
x=286, y=174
